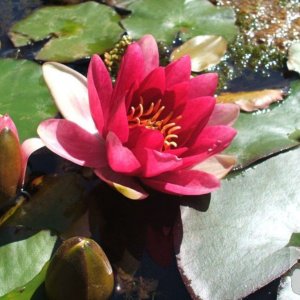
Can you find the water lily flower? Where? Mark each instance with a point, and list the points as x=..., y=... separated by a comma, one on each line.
x=154, y=127
x=13, y=158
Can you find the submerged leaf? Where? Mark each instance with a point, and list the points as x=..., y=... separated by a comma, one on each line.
x=165, y=19
x=204, y=50
x=75, y=31
x=251, y=101
x=240, y=243
x=57, y=204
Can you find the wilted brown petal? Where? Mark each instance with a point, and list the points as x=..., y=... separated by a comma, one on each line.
x=251, y=101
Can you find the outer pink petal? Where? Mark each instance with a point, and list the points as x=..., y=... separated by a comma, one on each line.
x=184, y=182
x=156, y=162
x=120, y=158
x=7, y=122
x=99, y=90
x=224, y=114
x=150, y=53
x=126, y=185
x=69, y=91
x=212, y=140
x=203, y=85
x=28, y=147
x=73, y=143
x=178, y=71
x=218, y=165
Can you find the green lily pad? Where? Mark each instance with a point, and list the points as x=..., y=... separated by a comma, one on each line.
x=32, y=288
x=57, y=204
x=240, y=243
x=75, y=31
x=269, y=131
x=24, y=95
x=293, y=62
x=23, y=254
x=165, y=19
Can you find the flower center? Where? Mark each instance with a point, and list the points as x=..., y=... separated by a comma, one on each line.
x=151, y=118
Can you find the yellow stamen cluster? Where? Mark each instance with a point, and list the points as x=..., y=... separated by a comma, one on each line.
x=113, y=57
x=151, y=118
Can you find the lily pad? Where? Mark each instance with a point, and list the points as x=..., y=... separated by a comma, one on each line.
x=165, y=19
x=241, y=242
x=24, y=95
x=75, y=31
x=23, y=254
x=269, y=131
x=293, y=62
x=30, y=289
x=204, y=50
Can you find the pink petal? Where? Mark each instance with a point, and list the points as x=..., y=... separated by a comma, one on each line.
x=7, y=122
x=126, y=185
x=224, y=114
x=118, y=122
x=194, y=117
x=73, y=143
x=141, y=137
x=99, y=90
x=212, y=140
x=184, y=182
x=178, y=71
x=131, y=71
x=176, y=96
x=151, y=88
x=120, y=158
x=150, y=52
x=203, y=85
x=156, y=162
x=28, y=147
x=69, y=91
x=218, y=165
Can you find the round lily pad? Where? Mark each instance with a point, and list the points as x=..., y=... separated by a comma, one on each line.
x=74, y=31
x=24, y=95
x=242, y=241
x=165, y=19
x=23, y=253
x=265, y=132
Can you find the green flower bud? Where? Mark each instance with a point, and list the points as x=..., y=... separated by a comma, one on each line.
x=10, y=164
x=79, y=270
